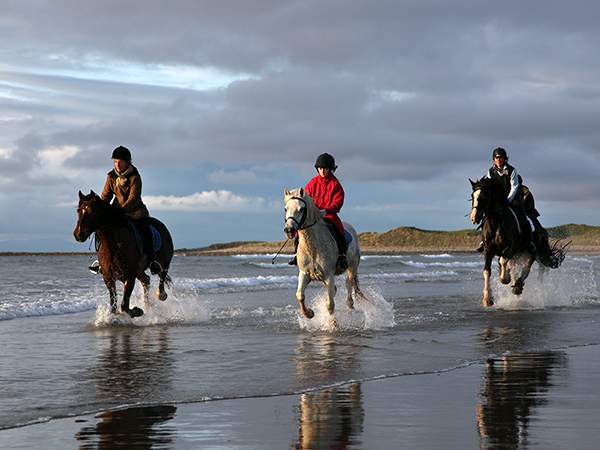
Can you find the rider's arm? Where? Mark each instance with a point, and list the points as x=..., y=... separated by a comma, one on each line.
x=135, y=194
x=514, y=185
x=337, y=200
x=107, y=192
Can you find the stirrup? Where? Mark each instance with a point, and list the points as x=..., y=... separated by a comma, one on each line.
x=293, y=261
x=480, y=248
x=95, y=267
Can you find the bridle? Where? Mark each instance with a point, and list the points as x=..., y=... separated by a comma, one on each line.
x=299, y=223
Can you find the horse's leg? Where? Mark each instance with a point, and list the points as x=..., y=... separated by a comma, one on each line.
x=145, y=280
x=504, y=272
x=112, y=292
x=161, y=293
x=351, y=284
x=127, y=290
x=331, y=290
x=303, y=281
x=487, y=269
x=517, y=287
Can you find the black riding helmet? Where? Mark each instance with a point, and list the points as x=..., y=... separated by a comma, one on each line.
x=121, y=153
x=325, y=161
x=499, y=151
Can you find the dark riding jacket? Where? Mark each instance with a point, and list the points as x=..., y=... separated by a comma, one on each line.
x=127, y=193
x=510, y=179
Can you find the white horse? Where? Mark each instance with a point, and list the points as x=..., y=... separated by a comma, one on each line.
x=317, y=250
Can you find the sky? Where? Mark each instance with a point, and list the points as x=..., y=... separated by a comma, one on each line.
x=224, y=104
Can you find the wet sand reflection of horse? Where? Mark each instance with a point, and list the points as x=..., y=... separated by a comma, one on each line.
x=118, y=252
x=330, y=418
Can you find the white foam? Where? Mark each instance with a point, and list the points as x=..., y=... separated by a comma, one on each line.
x=452, y=264
x=261, y=256
x=546, y=288
x=440, y=255
x=416, y=276
x=236, y=282
x=270, y=266
x=372, y=313
x=383, y=256
x=179, y=308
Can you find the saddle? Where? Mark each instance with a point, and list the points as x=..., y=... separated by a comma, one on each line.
x=334, y=233
x=137, y=227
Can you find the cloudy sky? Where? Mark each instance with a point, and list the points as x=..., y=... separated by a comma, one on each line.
x=225, y=103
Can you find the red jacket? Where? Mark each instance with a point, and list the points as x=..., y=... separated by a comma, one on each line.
x=327, y=193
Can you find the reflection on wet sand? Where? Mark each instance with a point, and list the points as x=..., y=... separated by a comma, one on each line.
x=130, y=428
x=513, y=386
x=331, y=418
x=132, y=365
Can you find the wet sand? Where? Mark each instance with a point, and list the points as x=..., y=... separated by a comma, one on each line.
x=545, y=399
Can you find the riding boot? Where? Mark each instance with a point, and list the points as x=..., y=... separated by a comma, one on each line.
x=95, y=267
x=342, y=261
x=294, y=260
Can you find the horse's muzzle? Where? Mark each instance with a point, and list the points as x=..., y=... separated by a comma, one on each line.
x=79, y=236
x=290, y=232
x=475, y=216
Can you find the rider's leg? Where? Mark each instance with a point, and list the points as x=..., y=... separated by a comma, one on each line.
x=342, y=245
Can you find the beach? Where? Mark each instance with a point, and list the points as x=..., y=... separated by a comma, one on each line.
x=226, y=362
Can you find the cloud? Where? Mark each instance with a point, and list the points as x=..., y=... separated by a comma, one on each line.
x=207, y=201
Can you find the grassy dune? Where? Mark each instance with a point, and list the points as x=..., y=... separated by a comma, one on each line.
x=584, y=238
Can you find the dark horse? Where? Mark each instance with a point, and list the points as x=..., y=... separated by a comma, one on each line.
x=118, y=252
x=509, y=236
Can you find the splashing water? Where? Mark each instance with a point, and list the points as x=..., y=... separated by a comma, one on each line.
x=370, y=313
x=179, y=308
x=568, y=285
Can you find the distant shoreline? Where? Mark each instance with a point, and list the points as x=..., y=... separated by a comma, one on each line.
x=585, y=239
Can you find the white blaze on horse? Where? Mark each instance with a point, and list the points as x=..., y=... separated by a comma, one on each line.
x=317, y=253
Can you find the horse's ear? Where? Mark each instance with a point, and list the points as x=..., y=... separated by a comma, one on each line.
x=472, y=182
x=81, y=196
x=301, y=192
x=286, y=192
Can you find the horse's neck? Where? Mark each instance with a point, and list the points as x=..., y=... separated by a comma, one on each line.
x=315, y=238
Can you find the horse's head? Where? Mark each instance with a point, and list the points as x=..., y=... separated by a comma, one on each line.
x=298, y=209
x=88, y=216
x=486, y=196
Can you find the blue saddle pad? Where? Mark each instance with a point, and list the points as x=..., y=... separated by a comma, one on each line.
x=348, y=237
x=333, y=231
x=156, y=239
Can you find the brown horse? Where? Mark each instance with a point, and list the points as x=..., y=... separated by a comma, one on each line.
x=509, y=237
x=118, y=252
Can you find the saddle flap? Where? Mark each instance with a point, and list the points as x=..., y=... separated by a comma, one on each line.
x=333, y=230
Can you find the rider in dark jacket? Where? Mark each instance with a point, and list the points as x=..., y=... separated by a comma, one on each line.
x=123, y=187
x=507, y=175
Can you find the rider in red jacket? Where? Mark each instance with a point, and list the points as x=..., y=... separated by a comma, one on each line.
x=328, y=195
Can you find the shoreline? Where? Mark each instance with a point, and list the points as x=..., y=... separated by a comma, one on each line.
x=268, y=249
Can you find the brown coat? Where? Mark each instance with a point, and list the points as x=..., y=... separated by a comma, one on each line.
x=128, y=195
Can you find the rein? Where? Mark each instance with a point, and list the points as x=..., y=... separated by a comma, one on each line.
x=300, y=222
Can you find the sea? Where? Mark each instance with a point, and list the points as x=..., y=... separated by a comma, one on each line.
x=231, y=329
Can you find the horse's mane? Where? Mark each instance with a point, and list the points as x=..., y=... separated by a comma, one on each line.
x=495, y=187
x=113, y=214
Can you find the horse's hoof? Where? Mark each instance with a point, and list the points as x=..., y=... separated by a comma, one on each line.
x=309, y=313
x=135, y=312
x=517, y=290
x=162, y=296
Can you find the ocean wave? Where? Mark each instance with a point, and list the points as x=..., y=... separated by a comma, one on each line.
x=52, y=306
x=451, y=264
x=260, y=256
x=440, y=255
x=263, y=265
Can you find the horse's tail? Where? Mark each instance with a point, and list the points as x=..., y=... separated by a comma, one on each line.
x=553, y=255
